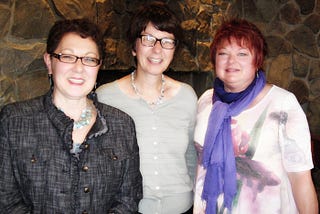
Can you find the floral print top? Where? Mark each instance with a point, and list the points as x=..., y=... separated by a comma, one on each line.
x=269, y=140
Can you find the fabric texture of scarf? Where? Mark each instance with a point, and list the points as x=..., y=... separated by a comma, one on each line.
x=218, y=154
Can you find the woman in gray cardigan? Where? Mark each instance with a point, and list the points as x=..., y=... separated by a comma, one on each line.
x=163, y=110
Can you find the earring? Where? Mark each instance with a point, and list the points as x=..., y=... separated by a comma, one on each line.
x=50, y=80
x=92, y=93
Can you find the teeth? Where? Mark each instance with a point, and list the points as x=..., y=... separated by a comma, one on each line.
x=78, y=81
x=155, y=60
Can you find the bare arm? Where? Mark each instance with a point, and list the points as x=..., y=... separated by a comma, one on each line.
x=304, y=192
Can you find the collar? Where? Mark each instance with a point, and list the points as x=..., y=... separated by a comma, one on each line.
x=64, y=124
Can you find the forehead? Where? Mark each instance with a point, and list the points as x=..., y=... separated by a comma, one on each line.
x=151, y=29
x=75, y=41
x=231, y=41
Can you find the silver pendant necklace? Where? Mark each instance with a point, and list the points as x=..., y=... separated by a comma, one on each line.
x=153, y=103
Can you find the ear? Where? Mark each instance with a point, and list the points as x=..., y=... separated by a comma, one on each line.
x=134, y=48
x=47, y=61
x=133, y=52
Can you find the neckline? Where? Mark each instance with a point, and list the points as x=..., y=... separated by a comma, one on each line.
x=138, y=99
x=152, y=104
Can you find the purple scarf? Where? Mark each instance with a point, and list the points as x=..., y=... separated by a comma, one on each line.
x=218, y=155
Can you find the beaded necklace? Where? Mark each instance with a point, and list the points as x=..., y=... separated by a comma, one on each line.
x=84, y=120
x=159, y=100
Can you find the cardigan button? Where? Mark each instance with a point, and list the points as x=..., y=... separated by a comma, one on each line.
x=84, y=212
x=85, y=168
x=33, y=159
x=86, y=189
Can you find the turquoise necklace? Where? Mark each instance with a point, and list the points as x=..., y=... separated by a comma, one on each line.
x=84, y=120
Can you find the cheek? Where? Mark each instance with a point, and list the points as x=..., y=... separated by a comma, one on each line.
x=221, y=60
x=138, y=48
x=249, y=65
x=170, y=55
x=139, y=52
x=92, y=73
x=219, y=64
x=58, y=70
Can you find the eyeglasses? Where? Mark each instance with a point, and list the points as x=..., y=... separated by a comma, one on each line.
x=150, y=41
x=85, y=60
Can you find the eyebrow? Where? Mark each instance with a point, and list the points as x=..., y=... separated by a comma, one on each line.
x=150, y=34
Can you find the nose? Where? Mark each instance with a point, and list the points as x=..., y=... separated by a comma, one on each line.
x=78, y=65
x=231, y=58
x=157, y=46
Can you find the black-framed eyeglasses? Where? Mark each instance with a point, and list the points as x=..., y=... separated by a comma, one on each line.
x=150, y=41
x=69, y=58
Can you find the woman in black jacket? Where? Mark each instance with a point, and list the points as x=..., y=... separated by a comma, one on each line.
x=64, y=152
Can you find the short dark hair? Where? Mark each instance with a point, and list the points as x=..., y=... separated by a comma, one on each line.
x=162, y=18
x=83, y=27
x=245, y=33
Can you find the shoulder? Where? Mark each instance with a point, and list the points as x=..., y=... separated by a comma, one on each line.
x=114, y=92
x=108, y=92
x=277, y=90
x=113, y=114
x=283, y=96
x=106, y=88
x=185, y=97
x=187, y=94
x=177, y=87
x=206, y=95
x=186, y=88
x=205, y=99
x=23, y=108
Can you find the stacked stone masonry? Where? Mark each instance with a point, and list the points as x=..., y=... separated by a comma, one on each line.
x=292, y=29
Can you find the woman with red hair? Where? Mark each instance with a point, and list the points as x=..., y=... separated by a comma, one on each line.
x=252, y=137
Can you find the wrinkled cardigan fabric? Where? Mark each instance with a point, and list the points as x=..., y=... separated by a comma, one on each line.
x=38, y=174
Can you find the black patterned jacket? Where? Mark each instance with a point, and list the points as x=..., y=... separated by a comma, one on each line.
x=38, y=174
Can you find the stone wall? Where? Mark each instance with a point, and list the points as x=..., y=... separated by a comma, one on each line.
x=292, y=29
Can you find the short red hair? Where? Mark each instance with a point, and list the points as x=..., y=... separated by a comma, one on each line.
x=246, y=34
